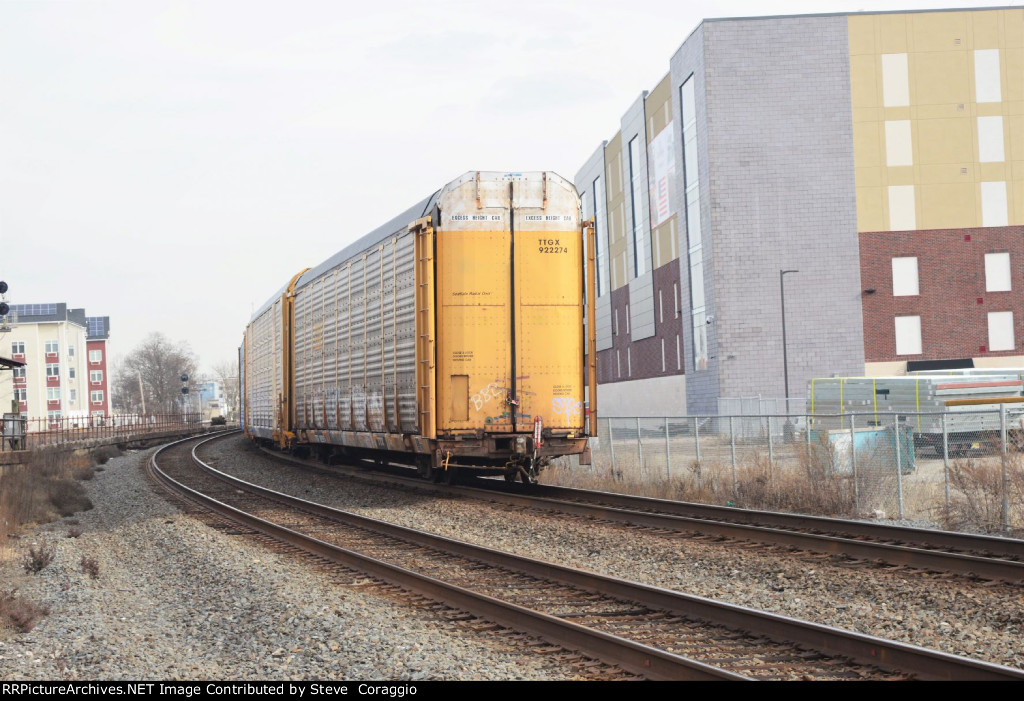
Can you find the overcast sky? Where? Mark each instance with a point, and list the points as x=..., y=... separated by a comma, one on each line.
x=172, y=164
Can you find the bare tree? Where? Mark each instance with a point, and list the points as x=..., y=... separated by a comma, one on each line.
x=227, y=372
x=155, y=367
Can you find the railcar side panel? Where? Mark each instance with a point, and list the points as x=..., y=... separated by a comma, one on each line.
x=264, y=373
x=355, y=349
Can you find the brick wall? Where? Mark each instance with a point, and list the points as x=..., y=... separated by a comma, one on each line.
x=953, y=304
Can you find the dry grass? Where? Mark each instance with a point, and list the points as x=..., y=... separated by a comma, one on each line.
x=976, y=494
x=38, y=559
x=20, y=613
x=45, y=489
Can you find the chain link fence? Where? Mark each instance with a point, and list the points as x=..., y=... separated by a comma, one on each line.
x=958, y=469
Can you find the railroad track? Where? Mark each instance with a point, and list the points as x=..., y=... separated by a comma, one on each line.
x=976, y=556
x=657, y=633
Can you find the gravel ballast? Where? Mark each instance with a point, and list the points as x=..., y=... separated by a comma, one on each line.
x=950, y=614
x=177, y=599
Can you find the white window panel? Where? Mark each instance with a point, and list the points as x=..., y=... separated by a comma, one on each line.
x=1000, y=331
x=895, y=84
x=902, y=215
x=898, y=147
x=990, y=140
x=993, y=204
x=997, y=272
x=908, y=335
x=987, y=86
x=904, y=277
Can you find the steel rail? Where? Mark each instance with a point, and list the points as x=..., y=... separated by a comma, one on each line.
x=924, y=663
x=632, y=656
x=930, y=550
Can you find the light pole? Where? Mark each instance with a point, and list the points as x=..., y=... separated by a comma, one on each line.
x=785, y=359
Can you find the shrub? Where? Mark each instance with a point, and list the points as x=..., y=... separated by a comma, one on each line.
x=20, y=613
x=103, y=454
x=38, y=560
x=90, y=566
x=219, y=421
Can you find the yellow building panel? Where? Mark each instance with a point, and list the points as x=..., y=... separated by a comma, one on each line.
x=994, y=171
x=941, y=77
x=658, y=107
x=1012, y=64
x=870, y=209
x=945, y=141
x=868, y=114
x=1014, y=145
x=892, y=34
x=902, y=175
x=948, y=173
x=984, y=32
x=896, y=113
x=861, y=34
x=868, y=145
x=1013, y=27
x=944, y=111
x=938, y=31
x=869, y=177
x=988, y=109
x=865, y=83
x=945, y=206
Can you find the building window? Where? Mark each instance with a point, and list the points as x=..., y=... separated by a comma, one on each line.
x=96, y=376
x=691, y=187
x=994, y=211
x=895, y=81
x=602, y=239
x=997, y=272
x=52, y=347
x=71, y=351
x=53, y=415
x=904, y=277
x=71, y=372
x=987, y=84
x=908, y=335
x=21, y=395
x=96, y=396
x=902, y=208
x=53, y=394
x=52, y=370
x=95, y=356
x=72, y=395
x=898, y=145
x=1000, y=331
x=18, y=348
x=636, y=201
x=990, y=140
x=19, y=373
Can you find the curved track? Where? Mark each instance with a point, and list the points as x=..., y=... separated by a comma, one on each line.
x=654, y=632
x=970, y=555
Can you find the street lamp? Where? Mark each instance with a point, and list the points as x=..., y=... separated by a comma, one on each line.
x=785, y=359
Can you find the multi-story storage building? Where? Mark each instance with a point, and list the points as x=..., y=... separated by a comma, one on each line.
x=57, y=379
x=868, y=166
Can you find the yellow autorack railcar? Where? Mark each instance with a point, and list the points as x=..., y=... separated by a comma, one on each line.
x=451, y=338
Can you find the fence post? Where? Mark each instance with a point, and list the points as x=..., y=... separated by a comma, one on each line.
x=771, y=448
x=1002, y=442
x=807, y=436
x=945, y=461
x=732, y=449
x=853, y=463
x=639, y=445
x=899, y=466
x=611, y=443
x=668, y=452
x=696, y=436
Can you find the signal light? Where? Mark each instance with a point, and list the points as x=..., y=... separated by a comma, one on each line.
x=3, y=287
x=4, y=309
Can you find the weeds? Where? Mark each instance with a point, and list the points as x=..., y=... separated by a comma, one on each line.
x=90, y=567
x=38, y=560
x=42, y=490
x=977, y=487
x=20, y=613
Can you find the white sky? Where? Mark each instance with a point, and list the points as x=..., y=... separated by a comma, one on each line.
x=172, y=164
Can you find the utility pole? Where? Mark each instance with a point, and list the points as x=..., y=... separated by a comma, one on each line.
x=142, y=394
